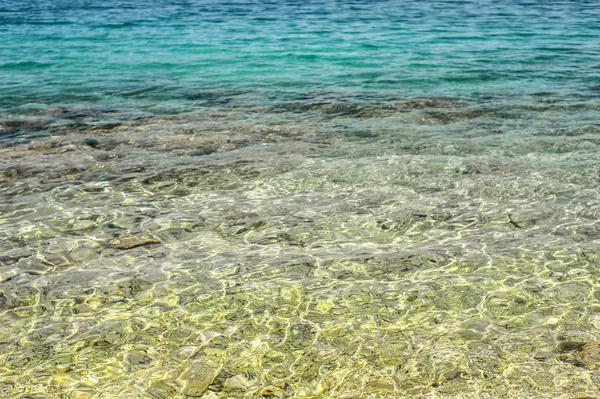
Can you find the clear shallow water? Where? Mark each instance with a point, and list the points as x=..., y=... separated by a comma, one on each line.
x=299, y=200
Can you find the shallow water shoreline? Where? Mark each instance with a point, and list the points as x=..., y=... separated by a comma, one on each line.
x=299, y=199
x=423, y=247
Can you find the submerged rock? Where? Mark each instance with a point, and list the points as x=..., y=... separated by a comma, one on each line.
x=91, y=142
x=589, y=355
x=237, y=382
x=272, y=392
x=580, y=354
x=569, y=346
x=161, y=390
x=382, y=386
x=138, y=359
x=83, y=254
x=130, y=242
x=64, y=379
x=204, y=151
x=14, y=255
x=197, y=378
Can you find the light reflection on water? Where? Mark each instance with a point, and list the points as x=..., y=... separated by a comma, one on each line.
x=423, y=248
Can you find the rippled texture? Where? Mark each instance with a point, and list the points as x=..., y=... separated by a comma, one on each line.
x=299, y=200
x=164, y=56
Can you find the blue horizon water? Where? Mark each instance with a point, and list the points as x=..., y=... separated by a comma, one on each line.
x=136, y=54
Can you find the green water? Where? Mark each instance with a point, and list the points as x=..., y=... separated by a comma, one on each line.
x=299, y=200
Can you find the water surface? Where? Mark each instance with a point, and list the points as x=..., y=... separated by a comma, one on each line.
x=299, y=199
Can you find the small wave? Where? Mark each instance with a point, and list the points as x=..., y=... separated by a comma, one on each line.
x=25, y=65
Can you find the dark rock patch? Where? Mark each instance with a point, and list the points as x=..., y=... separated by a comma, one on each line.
x=204, y=151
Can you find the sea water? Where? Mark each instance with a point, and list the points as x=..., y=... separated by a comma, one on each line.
x=299, y=199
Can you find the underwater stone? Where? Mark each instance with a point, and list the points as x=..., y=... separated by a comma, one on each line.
x=203, y=151
x=470, y=335
x=133, y=242
x=569, y=346
x=62, y=368
x=138, y=359
x=589, y=355
x=54, y=259
x=272, y=392
x=81, y=394
x=83, y=254
x=64, y=380
x=91, y=142
x=450, y=374
x=161, y=390
x=144, y=297
x=304, y=392
x=62, y=247
x=380, y=386
x=542, y=356
x=197, y=378
x=66, y=148
x=16, y=254
x=185, y=352
x=237, y=382
x=275, y=355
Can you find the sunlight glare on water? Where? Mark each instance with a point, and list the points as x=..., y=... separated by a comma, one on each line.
x=294, y=199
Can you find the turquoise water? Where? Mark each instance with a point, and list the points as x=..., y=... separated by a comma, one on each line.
x=171, y=56
x=286, y=199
